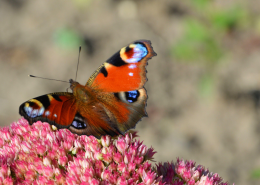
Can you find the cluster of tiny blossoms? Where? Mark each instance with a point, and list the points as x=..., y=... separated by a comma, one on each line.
x=187, y=173
x=39, y=155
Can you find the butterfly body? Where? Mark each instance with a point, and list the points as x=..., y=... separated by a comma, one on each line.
x=112, y=101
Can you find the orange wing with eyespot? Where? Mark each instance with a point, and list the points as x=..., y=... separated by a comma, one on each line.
x=58, y=109
x=125, y=70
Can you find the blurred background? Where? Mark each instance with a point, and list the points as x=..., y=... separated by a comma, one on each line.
x=204, y=83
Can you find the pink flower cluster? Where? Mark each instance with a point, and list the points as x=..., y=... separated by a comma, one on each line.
x=185, y=172
x=38, y=155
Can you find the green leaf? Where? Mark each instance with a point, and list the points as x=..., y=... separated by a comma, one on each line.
x=197, y=44
x=255, y=173
x=67, y=38
x=200, y=4
x=195, y=30
x=228, y=18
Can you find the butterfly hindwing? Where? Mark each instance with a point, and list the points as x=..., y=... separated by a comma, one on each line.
x=134, y=103
x=56, y=108
x=125, y=70
x=95, y=121
x=110, y=113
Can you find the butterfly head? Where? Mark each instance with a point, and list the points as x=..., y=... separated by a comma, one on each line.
x=73, y=84
x=79, y=91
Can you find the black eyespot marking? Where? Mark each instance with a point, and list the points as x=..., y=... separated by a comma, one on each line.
x=31, y=104
x=117, y=96
x=56, y=97
x=78, y=125
x=44, y=100
x=78, y=122
x=116, y=60
x=104, y=71
x=132, y=96
x=79, y=118
x=127, y=49
x=141, y=44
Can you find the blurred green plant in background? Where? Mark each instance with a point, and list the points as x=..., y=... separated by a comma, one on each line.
x=67, y=38
x=255, y=174
x=204, y=36
x=197, y=44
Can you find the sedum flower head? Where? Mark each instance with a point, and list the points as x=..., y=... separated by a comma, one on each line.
x=187, y=173
x=39, y=155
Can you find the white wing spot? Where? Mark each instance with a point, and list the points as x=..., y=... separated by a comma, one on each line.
x=131, y=74
x=47, y=113
x=55, y=115
x=34, y=113
x=132, y=66
x=41, y=111
x=28, y=110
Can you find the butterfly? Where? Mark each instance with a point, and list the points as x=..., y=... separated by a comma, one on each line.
x=112, y=101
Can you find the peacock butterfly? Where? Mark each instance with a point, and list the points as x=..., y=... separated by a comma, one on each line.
x=112, y=101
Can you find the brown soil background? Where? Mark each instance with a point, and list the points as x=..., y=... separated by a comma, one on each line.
x=219, y=131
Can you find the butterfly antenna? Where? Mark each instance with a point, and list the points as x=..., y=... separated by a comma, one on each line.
x=47, y=78
x=78, y=63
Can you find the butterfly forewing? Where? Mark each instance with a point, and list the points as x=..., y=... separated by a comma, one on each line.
x=56, y=108
x=125, y=70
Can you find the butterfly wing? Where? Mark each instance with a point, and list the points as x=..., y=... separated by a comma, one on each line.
x=58, y=109
x=93, y=119
x=110, y=113
x=119, y=93
x=125, y=70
